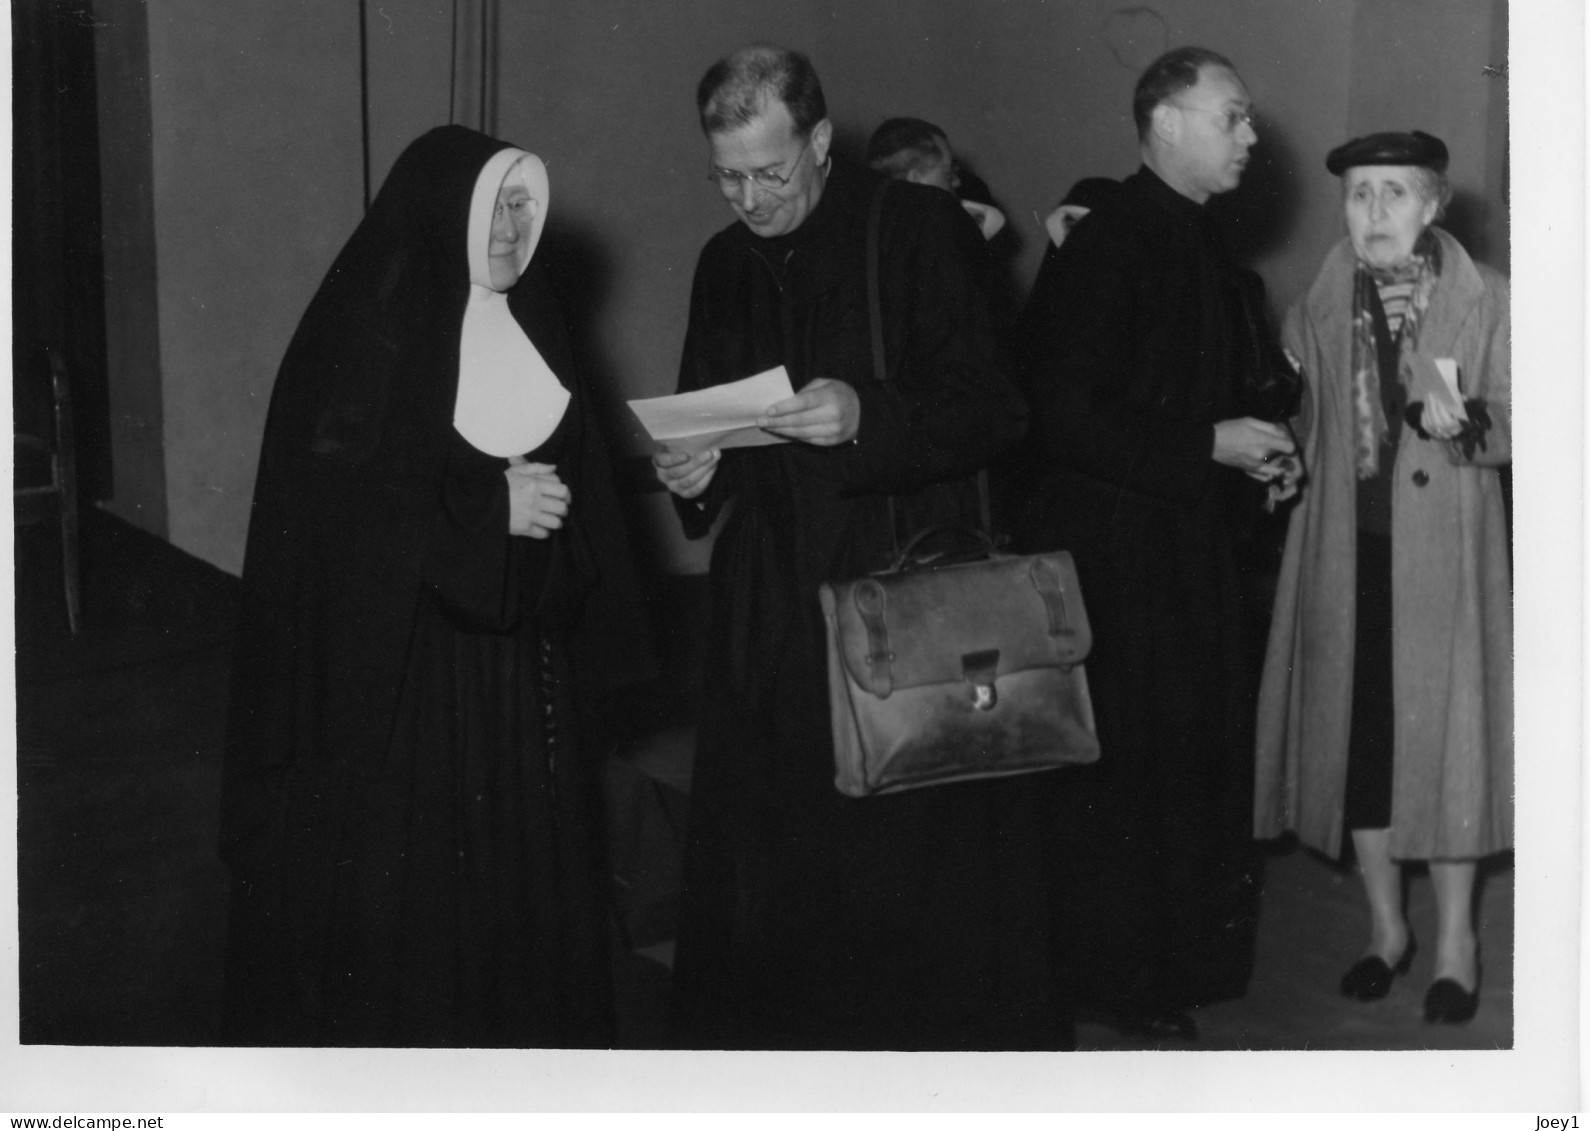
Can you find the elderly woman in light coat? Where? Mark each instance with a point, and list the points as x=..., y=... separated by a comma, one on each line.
x=1387, y=701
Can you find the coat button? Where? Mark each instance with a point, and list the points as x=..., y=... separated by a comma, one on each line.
x=1421, y=477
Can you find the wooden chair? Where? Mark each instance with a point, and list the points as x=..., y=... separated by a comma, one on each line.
x=44, y=453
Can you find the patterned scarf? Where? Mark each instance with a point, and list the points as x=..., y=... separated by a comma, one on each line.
x=1404, y=292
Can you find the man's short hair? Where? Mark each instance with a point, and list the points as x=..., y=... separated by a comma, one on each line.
x=738, y=88
x=903, y=145
x=1173, y=72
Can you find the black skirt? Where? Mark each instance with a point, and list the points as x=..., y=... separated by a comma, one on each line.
x=1369, y=751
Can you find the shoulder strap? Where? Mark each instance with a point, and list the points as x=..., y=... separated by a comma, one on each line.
x=880, y=368
x=874, y=305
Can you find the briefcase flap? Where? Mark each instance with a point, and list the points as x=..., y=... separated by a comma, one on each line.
x=959, y=622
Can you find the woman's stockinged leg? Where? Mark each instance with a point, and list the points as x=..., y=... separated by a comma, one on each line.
x=1457, y=948
x=1382, y=876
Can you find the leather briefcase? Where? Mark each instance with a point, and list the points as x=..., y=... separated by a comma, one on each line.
x=948, y=672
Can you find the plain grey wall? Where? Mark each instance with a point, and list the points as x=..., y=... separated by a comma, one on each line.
x=257, y=170
x=253, y=183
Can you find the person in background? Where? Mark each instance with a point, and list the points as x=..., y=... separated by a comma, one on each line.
x=1386, y=707
x=436, y=577
x=1138, y=356
x=917, y=151
x=910, y=149
x=808, y=919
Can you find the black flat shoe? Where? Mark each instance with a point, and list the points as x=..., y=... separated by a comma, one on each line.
x=1369, y=979
x=1170, y=1025
x=1448, y=1003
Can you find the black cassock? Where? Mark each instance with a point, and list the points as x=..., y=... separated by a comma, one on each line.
x=411, y=822
x=1135, y=342
x=810, y=920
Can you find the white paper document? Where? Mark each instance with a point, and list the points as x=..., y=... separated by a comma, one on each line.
x=1448, y=369
x=723, y=416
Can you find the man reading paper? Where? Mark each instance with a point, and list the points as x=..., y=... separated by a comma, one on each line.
x=810, y=920
x=718, y=416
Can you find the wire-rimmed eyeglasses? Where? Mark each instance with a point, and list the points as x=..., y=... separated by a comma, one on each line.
x=1229, y=119
x=731, y=182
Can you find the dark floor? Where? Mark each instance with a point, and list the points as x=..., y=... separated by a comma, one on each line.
x=121, y=897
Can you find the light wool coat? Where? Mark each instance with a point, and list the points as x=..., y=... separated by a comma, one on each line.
x=1451, y=591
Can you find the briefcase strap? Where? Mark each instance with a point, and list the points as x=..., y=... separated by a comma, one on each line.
x=875, y=307
x=880, y=369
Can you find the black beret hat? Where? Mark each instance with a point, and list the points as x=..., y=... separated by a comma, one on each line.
x=1416, y=148
x=1090, y=192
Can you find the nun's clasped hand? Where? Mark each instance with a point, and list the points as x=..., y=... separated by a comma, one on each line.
x=537, y=499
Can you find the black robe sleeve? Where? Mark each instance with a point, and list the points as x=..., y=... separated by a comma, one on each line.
x=696, y=371
x=949, y=406
x=472, y=565
x=1104, y=360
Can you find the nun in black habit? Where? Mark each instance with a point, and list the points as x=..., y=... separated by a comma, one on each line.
x=435, y=562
